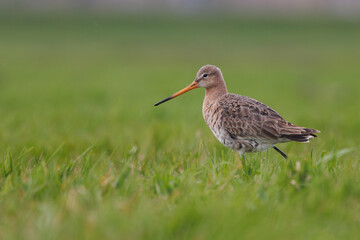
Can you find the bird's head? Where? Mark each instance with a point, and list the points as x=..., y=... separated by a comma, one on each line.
x=208, y=76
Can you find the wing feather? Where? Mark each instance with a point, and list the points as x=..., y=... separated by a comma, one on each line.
x=244, y=117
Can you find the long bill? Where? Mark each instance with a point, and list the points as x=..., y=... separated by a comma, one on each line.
x=192, y=86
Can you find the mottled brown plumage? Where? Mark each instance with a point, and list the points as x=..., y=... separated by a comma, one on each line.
x=239, y=122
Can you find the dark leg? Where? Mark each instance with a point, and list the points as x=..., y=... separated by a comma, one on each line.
x=279, y=151
x=243, y=160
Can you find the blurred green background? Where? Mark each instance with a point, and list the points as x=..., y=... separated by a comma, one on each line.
x=84, y=154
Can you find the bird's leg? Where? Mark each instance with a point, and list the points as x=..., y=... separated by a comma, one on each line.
x=279, y=151
x=243, y=162
x=242, y=159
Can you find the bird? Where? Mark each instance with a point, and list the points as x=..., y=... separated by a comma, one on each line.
x=241, y=123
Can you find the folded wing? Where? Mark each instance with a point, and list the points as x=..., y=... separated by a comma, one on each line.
x=247, y=118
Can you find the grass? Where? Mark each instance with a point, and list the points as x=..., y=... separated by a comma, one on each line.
x=85, y=155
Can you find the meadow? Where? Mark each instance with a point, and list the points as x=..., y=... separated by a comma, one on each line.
x=84, y=154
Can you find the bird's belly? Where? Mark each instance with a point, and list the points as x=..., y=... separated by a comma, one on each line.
x=224, y=138
x=240, y=144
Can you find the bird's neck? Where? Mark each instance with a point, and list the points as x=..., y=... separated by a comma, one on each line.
x=214, y=93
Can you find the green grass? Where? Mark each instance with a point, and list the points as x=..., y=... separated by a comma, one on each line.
x=84, y=154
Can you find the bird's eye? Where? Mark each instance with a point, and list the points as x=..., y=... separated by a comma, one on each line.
x=205, y=75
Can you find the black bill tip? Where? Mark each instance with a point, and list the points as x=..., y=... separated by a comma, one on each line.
x=162, y=101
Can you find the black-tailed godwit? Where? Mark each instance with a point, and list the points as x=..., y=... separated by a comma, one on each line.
x=241, y=123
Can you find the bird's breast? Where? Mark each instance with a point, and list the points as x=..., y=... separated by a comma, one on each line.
x=212, y=114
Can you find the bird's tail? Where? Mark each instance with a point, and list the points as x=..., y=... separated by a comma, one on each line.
x=304, y=135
